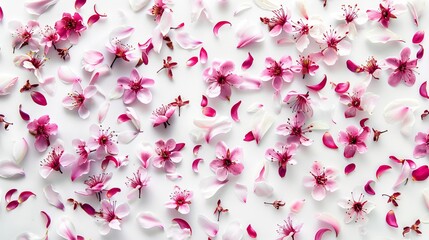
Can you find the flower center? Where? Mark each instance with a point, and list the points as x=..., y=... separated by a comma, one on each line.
x=296, y=131
x=136, y=86
x=352, y=139
x=165, y=154
x=357, y=207
x=227, y=162
x=402, y=67
x=26, y=36
x=321, y=179
x=276, y=70
x=70, y=24
x=157, y=10
x=355, y=102
x=221, y=79
x=102, y=140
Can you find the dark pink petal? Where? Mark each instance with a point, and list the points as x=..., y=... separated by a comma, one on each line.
x=391, y=219
x=12, y=205
x=182, y=223
x=192, y=61
x=9, y=194
x=123, y=118
x=421, y=173
x=418, y=37
x=368, y=188
x=1, y=14
x=328, y=141
x=362, y=122
x=47, y=219
x=249, y=137
x=111, y=192
x=23, y=196
x=195, y=164
x=395, y=159
x=251, y=232
x=349, y=168
x=342, y=87
x=330, y=221
x=320, y=85
x=9, y=169
x=319, y=234
x=196, y=149
x=234, y=111
x=38, y=98
x=218, y=26
x=79, y=3
x=381, y=170
x=23, y=114
x=420, y=52
x=203, y=56
x=352, y=66
x=88, y=209
x=53, y=197
x=423, y=90
x=248, y=62
x=93, y=19
x=148, y=220
x=204, y=101
x=208, y=111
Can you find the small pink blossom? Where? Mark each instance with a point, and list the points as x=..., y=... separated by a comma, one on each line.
x=356, y=210
x=24, y=35
x=220, y=77
x=358, y=100
x=354, y=140
x=49, y=38
x=388, y=10
x=162, y=115
x=96, y=185
x=41, y=129
x=32, y=62
x=70, y=27
x=180, y=200
x=422, y=145
x=371, y=68
x=54, y=161
x=283, y=154
x=333, y=44
x=278, y=72
x=403, y=69
x=122, y=51
x=136, y=87
x=304, y=66
x=352, y=15
x=280, y=22
x=299, y=102
x=304, y=28
x=102, y=141
x=138, y=181
x=288, y=230
x=321, y=180
x=167, y=155
x=295, y=130
x=81, y=163
x=112, y=215
x=78, y=99
x=158, y=9
x=227, y=161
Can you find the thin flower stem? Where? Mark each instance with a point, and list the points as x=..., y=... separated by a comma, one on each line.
x=111, y=65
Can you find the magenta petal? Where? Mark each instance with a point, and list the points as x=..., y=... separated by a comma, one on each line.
x=320, y=232
x=251, y=232
x=38, y=98
x=123, y=118
x=183, y=224
x=12, y=205
x=423, y=90
x=349, y=168
x=352, y=66
x=420, y=52
x=208, y=111
x=9, y=194
x=23, y=196
x=204, y=101
x=421, y=173
x=381, y=170
x=248, y=62
x=418, y=37
x=187, y=42
x=320, y=85
x=391, y=219
x=234, y=111
x=195, y=164
x=47, y=219
x=1, y=14
x=328, y=141
x=111, y=192
x=203, y=56
x=249, y=137
x=53, y=197
x=79, y=3
x=330, y=221
x=218, y=26
x=368, y=188
x=88, y=209
x=93, y=19
x=23, y=114
x=196, y=149
x=192, y=61
x=342, y=87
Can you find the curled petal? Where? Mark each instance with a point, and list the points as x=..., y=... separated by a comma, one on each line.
x=218, y=26
x=328, y=141
x=148, y=220
x=247, y=34
x=204, y=101
x=23, y=196
x=368, y=188
x=192, y=61
x=349, y=168
x=195, y=164
x=423, y=90
x=234, y=111
x=210, y=227
x=251, y=232
x=342, y=87
x=137, y=5
x=320, y=85
x=297, y=206
x=6, y=84
x=203, y=56
x=241, y=192
x=421, y=173
x=53, y=197
x=391, y=219
x=9, y=169
x=47, y=219
x=330, y=221
x=320, y=232
x=187, y=42
x=352, y=66
x=93, y=19
x=9, y=194
x=38, y=7
x=196, y=149
x=208, y=111
x=23, y=114
x=12, y=205
x=182, y=223
x=111, y=192
x=210, y=185
x=362, y=122
x=20, y=149
x=248, y=62
x=418, y=37
x=420, y=52
x=79, y=3
x=381, y=170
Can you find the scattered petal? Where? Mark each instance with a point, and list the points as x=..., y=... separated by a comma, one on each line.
x=210, y=227
x=401, y=111
x=241, y=192
x=196, y=149
x=218, y=26
x=88, y=209
x=320, y=85
x=102, y=111
x=208, y=111
x=405, y=172
x=349, y=168
x=23, y=114
x=39, y=98
x=23, y=196
x=424, y=90
x=391, y=219
x=269, y=5
x=368, y=188
x=330, y=221
x=9, y=194
x=79, y=3
x=53, y=197
x=9, y=169
x=20, y=149
x=381, y=170
x=127, y=136
x=248, y=62
x=148, y=220
x=297, y=206
x=203, y=56
x=248, y=34
x=234, y=111
x=342, y=87
x=210, y=185
x=383, y=35
x=182, y=223
x=137, y=5
x=6, y=84
x=47, y=219
x=12, y=205
x=420, y=52
x=320, y=232
x=195, y=164
x=38, y=7
x=418, y=37
x=111, y=192
x=192, y=61
x=187, y=42
x=67, y=75
x=421, y=173
x=234, y=231
x=328, y=141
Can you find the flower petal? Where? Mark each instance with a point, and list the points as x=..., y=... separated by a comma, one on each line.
x=328, y=141
x=195, y=164
x=383, y=35
x=421, y=173
x=79, y=3
x=234, y=231
x=248, y=62
x=251, y=232
x=24, y=196
x=67, y=76
x=20, y=149
x=349, y=168
x=102, y=111
x=192, y=61
x=424, y=90
x=6, y=84
x=218, y=25
x=269, y=5
x=46, y=218
x=418, y=37
x=38, y=7
x=53, y=197
x=391, y=219
x=234, y=111
x=247, y=34
x=111, y=192
x=241, y=191
x=401, y=111
x=121, y=33
x=66, y=229
x=319, y=86
x=368, y=188
x=137, y=5
x=39, y=98
x=210, y=227
x=9, y=169
x=203, y=56
x=210, y=185
x=297, y=206
x=330, y=221
x=405, y=173
x=342, y=87
x=148, y=220
x=127, y=136
x=187, y=42
x=381, y=170
x=320, y=232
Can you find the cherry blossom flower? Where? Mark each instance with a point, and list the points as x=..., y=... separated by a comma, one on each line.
x=402, y=69
x=333, y=44
x=227, y=161
x=6, y=123
x=41, y=129
x=220, y=78
x=388, y=9
x=24, y=35
x=304, y=66
x=352, y=15
x=78, y=99
x=122, y=51
x=295, y=130
x=158, y=9
x=70, y=27
x=356, y=210
x=288, y=230
x=283, y=154
x=422, y=145
x=162, y=115
x=112, y=215
x=299, y=102
x=358, y=100
x=178, y=102
x=32, y=62
x=280, y=22
x=102, y=141
x=354, y=140
x=371, y=68
x=53, y=162
x=81, y=163
x=49, y=38
x=278, y=72
x=321, y=180
x=180, y=200
x=137, y=182
x=96, y=185
x=169, y=65
x=136, y=87
x=167, y=155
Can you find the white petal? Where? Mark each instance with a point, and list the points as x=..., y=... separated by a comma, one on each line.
x=187, y=42
x=382, y=35
x=210, y=227
x=137, y=5
x=29, y=236
x=267, y=4
x=53, y=197
x=148, y=220
x=233, y=232
x=38, y=7
x=20, y=149
x=67, y=75
x=66, y=229
x=210, y=185
x=127, y=136
x=241, y=192
x=6, y=84
x=10, y=169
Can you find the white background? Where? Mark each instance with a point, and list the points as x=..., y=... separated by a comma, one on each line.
x=188, y=83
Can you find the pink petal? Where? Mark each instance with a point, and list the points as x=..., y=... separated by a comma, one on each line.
x=38, y=98
x=111, y=192
x=66, y=229
x=192, y=61
x=421, y=173
x=195, y=164
x=234, y=231
x=415, y=9
x=210, y=227
x=405, y=172
x=203, y=56
x=391, y=219
x=88, y=209
x=93, y=57
x=187, y=42
x=6, y=84
x=67, y=75
x=352, y=66
x=102, y=111
x=330, y=221
x=423, y=90
x=93, y=19
x=234, y=111
x=23, y=114
x=383, y=36
x=418, y=37
x=47, y=219
x=362, y=122
x=212, y=127
x=251, y=232
x=12, y=205
x=1, y=14
x=368, y=188
x=182, y=223
x=148, y=220
x=297, y=206
x=208, y=111
x=173, y=176
x=196, y=149
x=342, y=87
x=248, y=34
x=349, y=168
x=144, y=156
x=123, y=118
x=9, y=194
x=210, y=185
x=121, y=33
x=381, y=170
x=420, y=52
x=320, y=85
x=320, y=232
x=23, y=196
x=9, y=169
x=19, y=150
x=204, y=101
x=53, y=197
x=38, y=7
x=137, y=5
x=127, y=136
x=328, y=141
x=249, y=137
x=248, y=62
x=241, y=192
x=218, y=26
x=79, y=3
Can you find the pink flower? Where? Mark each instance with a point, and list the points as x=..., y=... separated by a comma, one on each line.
x=136, y=87
x=402, y=69
x=280, y=22
x=70, y=27
x=102, y=141
x=283, y=154
x=278, y=72
x=138, y=181
x=162, y=114
x=220, y=78
x=167, y=155
x=422, y=145
x=354, y=139
x=352, y=15
x=333, y=45
x=227, y=161
x=112, y=215
x=49, y=39
x=305, y=65
x=387, y=10
x=295, y=130
x=299, y=102
x=322, y=180
x=180, y=200
x=358, y=100
x=288, y=230
x=32, y=62
x=41, y=129
x=303, y=28
x=96, y=185
x=81, y=164
x=53, y=162
x=24, y=35
x=356, y=209
x=371, y=67
x=122, y=51
x=158, y=9
x=78, y=99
